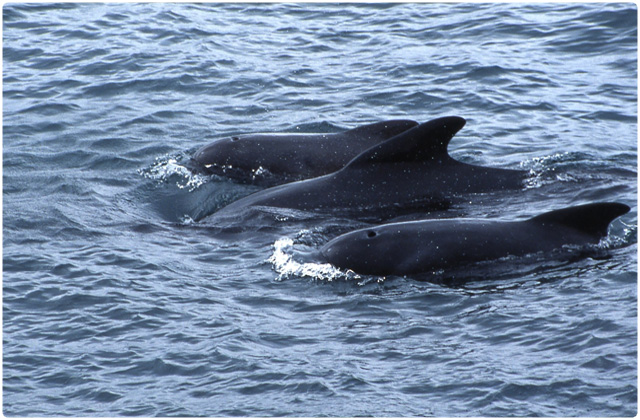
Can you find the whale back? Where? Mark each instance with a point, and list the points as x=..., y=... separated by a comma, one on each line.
x=292, y=156
x=590, y=219
x=421, y=246
x=380, y=131
x=427, y=141
x=417, y=163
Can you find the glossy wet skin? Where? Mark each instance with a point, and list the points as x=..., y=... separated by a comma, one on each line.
x=410, y=169
x=416, y=247
x=292, y=156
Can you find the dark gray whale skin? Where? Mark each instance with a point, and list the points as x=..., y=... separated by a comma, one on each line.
x=412, y=169
x=289, y=157
x=417, y=247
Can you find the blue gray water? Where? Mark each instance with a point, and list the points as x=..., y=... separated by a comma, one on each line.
x=121, y=299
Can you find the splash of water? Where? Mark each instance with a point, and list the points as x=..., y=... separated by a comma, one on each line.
x=285, y=265
x=166, y=168
x=628, y=236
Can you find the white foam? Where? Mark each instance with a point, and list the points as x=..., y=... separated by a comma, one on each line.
x=286, y=266
x=187, y=220
x=167, y=166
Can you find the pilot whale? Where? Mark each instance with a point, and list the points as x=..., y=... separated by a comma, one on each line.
x=410, y=170
x=288, y=156
x=421, y=246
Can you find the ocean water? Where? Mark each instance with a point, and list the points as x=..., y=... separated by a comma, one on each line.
x=121, y=296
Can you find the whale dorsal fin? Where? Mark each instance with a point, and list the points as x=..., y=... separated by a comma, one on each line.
x=424, y=142
x=382, y=130
x=592, y=219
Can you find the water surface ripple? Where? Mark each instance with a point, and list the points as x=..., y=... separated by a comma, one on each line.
x=119, y=299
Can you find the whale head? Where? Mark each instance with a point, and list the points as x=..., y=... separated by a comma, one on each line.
x=378, y=250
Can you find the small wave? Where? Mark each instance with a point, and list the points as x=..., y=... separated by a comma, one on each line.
x=542, y=170
x=609, y=115
x=573, y=167
x=167, y=168
x=50, y=109
x=627, y=236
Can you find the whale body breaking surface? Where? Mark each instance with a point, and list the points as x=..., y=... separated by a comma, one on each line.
x=276, y=158
x=418, y=247
x=412, y=169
